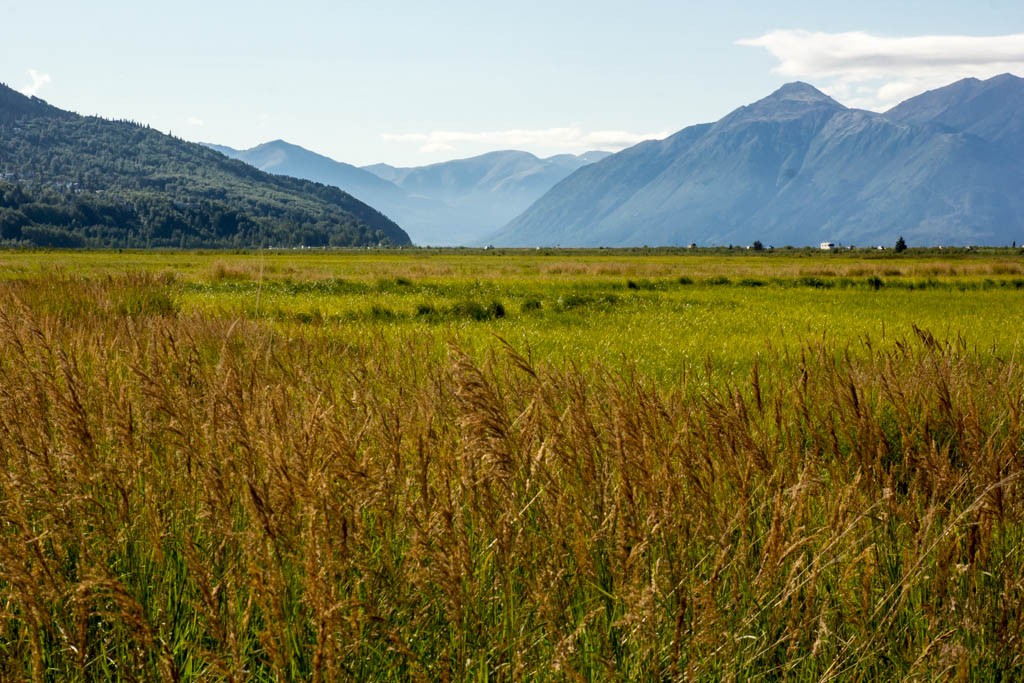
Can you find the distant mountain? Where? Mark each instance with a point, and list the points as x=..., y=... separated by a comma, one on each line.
x=282, y=158
x=510, y=175
x=417, y=215
x=484, y=192
x=993, y=109
x=68, y=180
x=799, y=168
x=451, y=203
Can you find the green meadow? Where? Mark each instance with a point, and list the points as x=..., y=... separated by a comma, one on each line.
x=511, y=465
x=662, y=311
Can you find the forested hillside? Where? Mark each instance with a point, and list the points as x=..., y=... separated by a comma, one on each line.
x=68, y=180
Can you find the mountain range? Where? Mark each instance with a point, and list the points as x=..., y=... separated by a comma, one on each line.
x=451, y=203
x=794, y=168
x=799, y=168
x=68, y=181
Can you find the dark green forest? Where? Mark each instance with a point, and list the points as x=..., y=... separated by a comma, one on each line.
x=74, y=181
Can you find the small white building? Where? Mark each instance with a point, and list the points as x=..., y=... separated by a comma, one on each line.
x=828, y=246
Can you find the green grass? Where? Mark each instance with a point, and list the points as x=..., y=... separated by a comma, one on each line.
x=516, y=466
x=660, y=312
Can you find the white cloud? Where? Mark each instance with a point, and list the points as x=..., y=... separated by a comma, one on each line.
x=877, y=72
x=38, y=81
x=567, y=139
x=196, y=121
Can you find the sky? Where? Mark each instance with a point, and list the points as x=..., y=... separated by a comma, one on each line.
x=409, y=83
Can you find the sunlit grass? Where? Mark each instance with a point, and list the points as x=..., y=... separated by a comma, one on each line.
x=527, y=466
x=659, y=314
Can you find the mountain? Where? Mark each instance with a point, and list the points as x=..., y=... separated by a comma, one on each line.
x=451, y=203
x=427, y=221
x=15, y=106
x=799, y=168
x=484, y=192
x=993, y=109
x=282, y=158
x=509, y=175
x=70, y=180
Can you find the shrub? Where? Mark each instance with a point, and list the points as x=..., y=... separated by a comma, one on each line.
x=815, y=282
x=531, y=304
x=477, y=311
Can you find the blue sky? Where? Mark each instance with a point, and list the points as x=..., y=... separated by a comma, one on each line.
x=407, y=83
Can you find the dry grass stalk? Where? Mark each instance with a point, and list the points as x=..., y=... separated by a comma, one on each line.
x=199, y=498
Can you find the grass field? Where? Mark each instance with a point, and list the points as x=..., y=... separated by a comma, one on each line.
x=491, y=465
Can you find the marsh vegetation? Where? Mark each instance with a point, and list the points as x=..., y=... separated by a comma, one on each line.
x=510, y=467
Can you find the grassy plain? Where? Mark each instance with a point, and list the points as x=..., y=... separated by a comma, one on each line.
x=663, y=311
x=511, y=466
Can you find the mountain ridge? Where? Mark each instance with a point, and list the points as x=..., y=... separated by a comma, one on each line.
x=448, y=203
x=14, y=104
x=71, y=180
x=992, y=109
x=797, y=167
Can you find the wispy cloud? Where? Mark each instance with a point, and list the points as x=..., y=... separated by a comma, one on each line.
x=876, y=72
x=196, y=121
x=567, y=139
x=38, y=81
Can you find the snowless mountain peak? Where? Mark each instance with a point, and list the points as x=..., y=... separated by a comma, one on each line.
x=798, y=168
x=801, y=92
x=791, y=101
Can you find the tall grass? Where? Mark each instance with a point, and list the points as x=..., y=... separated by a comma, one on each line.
x=188, y=497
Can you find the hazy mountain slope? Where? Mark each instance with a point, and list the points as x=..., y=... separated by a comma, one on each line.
x=793, y=168
x=427, y=221
x=484, y=192
x=593, y=193
x=450, y=203
x=866, y=179
x=992, y=109
x=507, y=174
x=728, y=175
x=282, y=158
x=69, y=180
